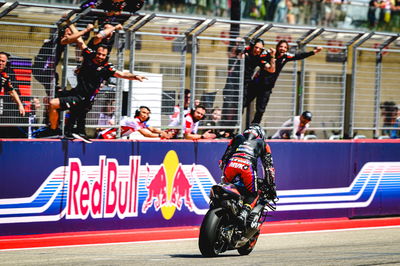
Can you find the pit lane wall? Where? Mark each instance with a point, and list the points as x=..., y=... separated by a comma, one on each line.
x=59, y=186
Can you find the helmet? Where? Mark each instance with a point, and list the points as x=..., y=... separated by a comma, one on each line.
x=307, y=115
x=254, y=131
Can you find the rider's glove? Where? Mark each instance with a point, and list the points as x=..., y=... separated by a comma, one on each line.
x=272, y=194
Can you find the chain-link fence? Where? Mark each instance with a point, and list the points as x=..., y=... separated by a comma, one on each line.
x=344, y=86
x=375, y=98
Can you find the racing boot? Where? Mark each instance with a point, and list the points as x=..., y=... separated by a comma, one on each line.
x=243, y=216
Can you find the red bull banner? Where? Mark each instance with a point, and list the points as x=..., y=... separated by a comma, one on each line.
x=57, y=186
x=165, y=188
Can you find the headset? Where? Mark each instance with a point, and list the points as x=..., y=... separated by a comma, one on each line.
x=8, y=64
x=137, y=112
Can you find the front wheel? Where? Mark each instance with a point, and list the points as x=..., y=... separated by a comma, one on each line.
x=248, y=248
x=211, y=241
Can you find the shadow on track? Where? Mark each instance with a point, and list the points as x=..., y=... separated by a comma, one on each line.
x=194, y=256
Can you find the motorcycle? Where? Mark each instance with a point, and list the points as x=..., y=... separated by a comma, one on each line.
x=221, y=230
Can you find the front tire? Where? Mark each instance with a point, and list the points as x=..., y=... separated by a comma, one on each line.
x=211, y=242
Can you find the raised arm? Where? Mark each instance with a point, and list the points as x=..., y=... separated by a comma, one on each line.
x=81, y=43
x=105, y=33
x=74, y=34
x=129, y=76
x=299, y=56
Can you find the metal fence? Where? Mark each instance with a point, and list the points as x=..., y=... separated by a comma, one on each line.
x=375, y=83
x=343, y=86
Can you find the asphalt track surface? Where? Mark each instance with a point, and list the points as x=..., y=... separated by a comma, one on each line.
x=367, y=245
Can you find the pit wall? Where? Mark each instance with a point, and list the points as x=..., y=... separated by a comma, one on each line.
x=59, y=186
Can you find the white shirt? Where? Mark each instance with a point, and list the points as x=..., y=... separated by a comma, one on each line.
x=130, y=125
x=297, y=131
x=175, y=117
x=190, y=125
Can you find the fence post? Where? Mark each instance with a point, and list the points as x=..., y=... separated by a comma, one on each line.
x=132, y=47
x=378, y=83
x=349, y=131
x=120, y=45
x=378, y=71
x=347, y=110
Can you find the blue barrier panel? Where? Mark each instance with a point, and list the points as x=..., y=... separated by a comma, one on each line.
x=385, y=193
x=61, y=186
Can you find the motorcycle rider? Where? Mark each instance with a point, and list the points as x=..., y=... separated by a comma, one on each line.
x=239, y=164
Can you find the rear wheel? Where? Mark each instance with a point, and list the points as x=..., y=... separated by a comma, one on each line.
x=211, y=241
x=248, y=248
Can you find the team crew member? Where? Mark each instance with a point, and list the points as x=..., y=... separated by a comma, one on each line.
x=239, y=164
x=192, y=121
x=175, y=117
x=46, y=61
x=255, y=58
x=94, y=70
x=267, y=79
x=136, y=124
x=6, y=83
x=298, y=126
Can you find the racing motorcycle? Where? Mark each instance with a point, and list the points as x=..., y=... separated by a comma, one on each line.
x=221, y=229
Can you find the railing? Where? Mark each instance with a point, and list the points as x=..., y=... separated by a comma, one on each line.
x=338, y=14
x=343, y=86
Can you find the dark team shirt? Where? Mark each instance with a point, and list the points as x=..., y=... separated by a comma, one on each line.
x=251, y=62
x=90, y=75
x=5, y=82
x=269, y=79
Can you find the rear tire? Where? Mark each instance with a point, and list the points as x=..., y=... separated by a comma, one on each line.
x=211, y=242
x=248, y=248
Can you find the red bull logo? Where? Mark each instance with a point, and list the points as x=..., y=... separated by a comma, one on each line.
x=169, y=188
x=108, y=189
x=103, y=191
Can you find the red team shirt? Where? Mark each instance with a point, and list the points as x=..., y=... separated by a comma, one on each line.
x=128, y=126
x=190, y=125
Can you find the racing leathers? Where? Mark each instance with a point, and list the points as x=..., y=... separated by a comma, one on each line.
x=239, y=163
